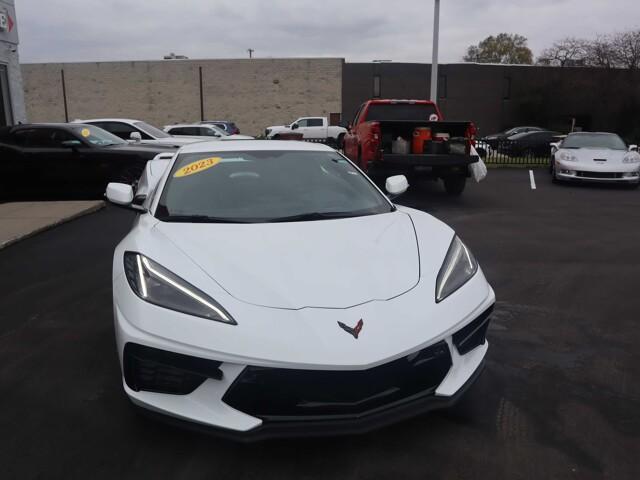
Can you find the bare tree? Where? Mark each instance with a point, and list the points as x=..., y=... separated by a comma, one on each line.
x=569, y=51
x=601, y=52
x=627, y=49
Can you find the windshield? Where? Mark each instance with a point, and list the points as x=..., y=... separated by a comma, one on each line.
x=151, y=130
x=594, y=140
x=97, y=136
x=267, y=186
x=400, y=111
x=219, y=130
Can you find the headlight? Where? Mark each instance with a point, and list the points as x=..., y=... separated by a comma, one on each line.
x=568, y=157
x=458, y=268
x=155, y=284
x=631, y=159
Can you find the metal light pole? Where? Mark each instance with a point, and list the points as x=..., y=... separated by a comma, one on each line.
x=434, y=62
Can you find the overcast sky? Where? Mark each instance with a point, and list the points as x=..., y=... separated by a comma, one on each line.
x=358, y=30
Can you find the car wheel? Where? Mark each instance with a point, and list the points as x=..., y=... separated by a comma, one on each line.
x=454, y=185
x=340, y=141
x=275, y=137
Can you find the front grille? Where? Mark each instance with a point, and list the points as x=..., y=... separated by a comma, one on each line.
x=154, y=370
x=474, y=334
x=598, y=174
x=288, y=394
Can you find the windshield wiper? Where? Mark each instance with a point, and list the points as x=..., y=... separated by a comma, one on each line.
x=200, y=219
x=307, y=217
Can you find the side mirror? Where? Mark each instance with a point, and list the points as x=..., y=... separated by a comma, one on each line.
x=135, y=136
x=121, y=194
x=633, y=148
x=294, y=126
x=396, y=185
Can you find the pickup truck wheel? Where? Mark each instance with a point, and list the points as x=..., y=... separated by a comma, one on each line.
x=276, y=137
x=454, y=185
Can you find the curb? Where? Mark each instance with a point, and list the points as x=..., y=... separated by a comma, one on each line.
x=54, y=224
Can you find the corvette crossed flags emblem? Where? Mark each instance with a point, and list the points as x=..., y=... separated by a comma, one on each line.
x=355, y=331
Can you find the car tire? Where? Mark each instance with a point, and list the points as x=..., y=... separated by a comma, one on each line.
x=275, y=137
x=340, y=142
x=454, y=185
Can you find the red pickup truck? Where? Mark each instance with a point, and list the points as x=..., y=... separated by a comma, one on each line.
x=390, y=137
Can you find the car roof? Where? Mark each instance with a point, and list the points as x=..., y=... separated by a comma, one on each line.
x=50, y=125
x=254, y=145
x=125, y=120
x=189, y=125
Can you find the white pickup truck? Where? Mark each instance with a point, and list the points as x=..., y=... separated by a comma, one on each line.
x=312, y=128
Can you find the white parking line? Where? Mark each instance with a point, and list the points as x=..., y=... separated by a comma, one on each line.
x=533, y=180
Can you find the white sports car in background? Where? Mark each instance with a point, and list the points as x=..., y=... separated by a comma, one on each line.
x=596, y=157
x=269, y=288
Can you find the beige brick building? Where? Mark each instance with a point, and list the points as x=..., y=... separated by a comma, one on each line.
x=253, y=93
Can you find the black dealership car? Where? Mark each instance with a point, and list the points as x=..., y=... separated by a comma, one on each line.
x=528, y=144
x=496, y=138
x=67, y=160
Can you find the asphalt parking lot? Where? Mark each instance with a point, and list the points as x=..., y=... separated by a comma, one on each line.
x=559, y=397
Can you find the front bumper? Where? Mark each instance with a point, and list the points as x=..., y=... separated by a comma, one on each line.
x=231, y=399
x=576, y=171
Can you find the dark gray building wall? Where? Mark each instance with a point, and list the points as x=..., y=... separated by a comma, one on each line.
x=496, y=97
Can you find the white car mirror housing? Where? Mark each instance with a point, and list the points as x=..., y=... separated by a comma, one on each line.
x=135, y=136
x=396, y=185
x=121, y=194
x=633, y=148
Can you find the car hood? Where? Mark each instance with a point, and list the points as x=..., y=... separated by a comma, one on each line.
x=176, y=141
x=593, y=155
x=237, y=137
x=324, y=264
x=151, y=149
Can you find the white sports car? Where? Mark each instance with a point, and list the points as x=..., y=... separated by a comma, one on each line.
x=596, y=157
x=269, y=288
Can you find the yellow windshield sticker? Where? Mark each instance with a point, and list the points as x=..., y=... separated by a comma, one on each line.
x=197, y=167
x=85, y=132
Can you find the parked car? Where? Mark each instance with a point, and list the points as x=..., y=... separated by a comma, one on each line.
x=67, y=159
x=383, y=309
x=596, y=157
x=229, y=127
x=205, y=131
x=529, y=144
x=493, y=140
x=137, y=131
x=381, y=124
x=314, y=128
